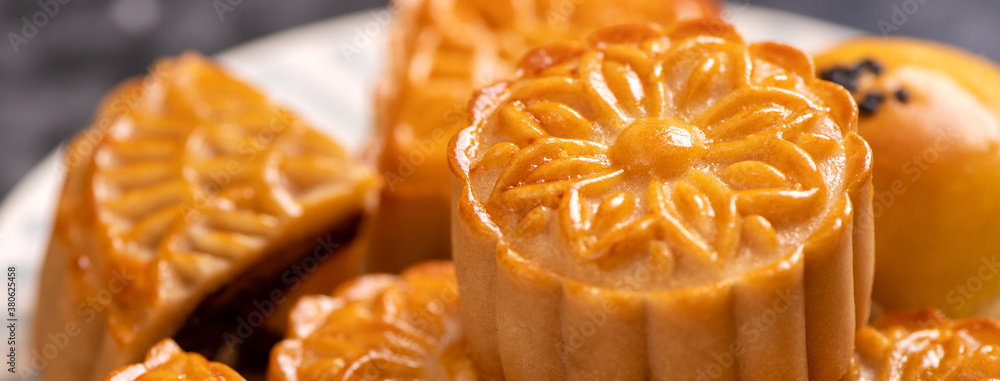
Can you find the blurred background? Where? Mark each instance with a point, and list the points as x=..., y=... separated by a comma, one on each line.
x=51, y=81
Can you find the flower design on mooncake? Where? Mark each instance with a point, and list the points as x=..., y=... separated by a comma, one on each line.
x=378, y=327
x=651, y=185
x=440, y=52
x=189, y=199
x=167, y=362
x=924, y=345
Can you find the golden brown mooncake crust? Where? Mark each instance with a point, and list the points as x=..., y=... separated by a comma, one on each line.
x=378, y=327
x=168, y=362
x=936, y=138
x=919, y=345
x=440, y=52
x=663, y=204
x=187, y=179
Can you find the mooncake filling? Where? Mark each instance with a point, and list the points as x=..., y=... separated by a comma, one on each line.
x=235, y=326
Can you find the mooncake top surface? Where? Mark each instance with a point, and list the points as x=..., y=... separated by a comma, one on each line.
x=686, y=154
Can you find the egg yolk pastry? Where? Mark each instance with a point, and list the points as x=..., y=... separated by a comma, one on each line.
x=440, y=51
x=932, y=116
x=662, y=204
x=193, y=209
x=378, y=327
x=167, y=362
x=920, y=345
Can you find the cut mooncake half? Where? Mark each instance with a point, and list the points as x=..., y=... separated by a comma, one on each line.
x=663, y=204
x=923, y=345
x=440, y=52
x=193, y=209
x=168, y=362
x=378, y=327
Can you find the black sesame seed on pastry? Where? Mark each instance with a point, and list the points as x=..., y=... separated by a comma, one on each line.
x=193, y=209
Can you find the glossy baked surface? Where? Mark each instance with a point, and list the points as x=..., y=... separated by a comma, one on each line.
x=925, y=345
x=933, y=120
x=662, y=177
x=440, y=52
x=378, y=327
x=196, y=179
x=695, y=155
x=187, y=181
x=167, y=362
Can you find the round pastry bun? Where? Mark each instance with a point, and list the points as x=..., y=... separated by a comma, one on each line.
x=932, y=116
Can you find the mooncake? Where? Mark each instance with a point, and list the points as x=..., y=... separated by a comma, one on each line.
x=440, y=51
x=192, y=209
x=665, y=204
x=378, y=327
x=919, y=345
x=167, y=362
